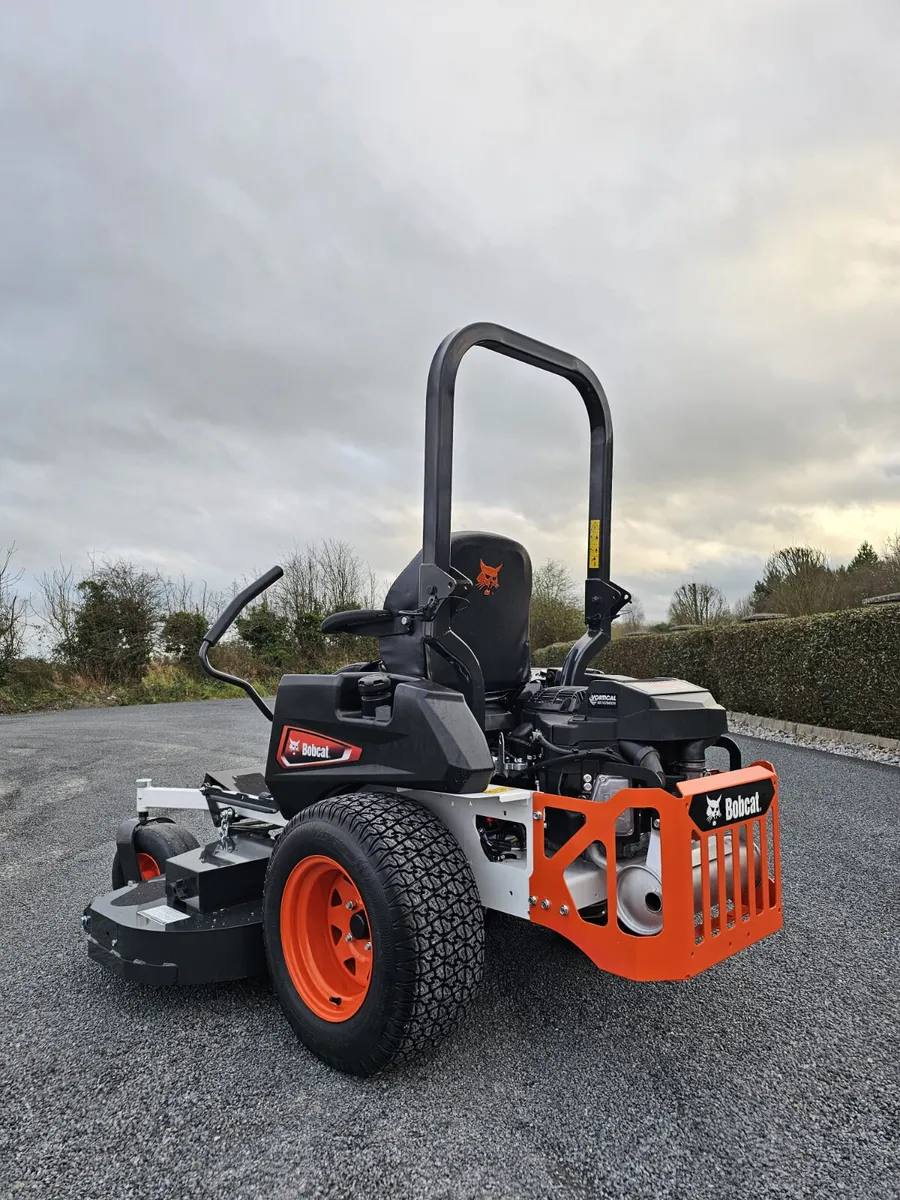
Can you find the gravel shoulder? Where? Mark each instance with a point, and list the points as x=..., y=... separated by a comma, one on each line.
x=775, y=1074
x=867, y=752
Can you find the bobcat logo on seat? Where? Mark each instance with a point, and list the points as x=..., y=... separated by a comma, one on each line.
x=487, y=579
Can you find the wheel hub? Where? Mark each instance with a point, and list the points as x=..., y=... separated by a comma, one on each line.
x=325, y=938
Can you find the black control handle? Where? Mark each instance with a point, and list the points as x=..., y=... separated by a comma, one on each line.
x=240, y=602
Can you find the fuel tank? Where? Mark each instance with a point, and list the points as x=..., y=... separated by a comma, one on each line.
x=328, y=737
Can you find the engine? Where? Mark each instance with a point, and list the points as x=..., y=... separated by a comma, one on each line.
x=648, y=731
x=590, y=742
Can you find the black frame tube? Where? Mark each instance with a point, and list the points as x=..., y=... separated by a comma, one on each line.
x=439, y=405
x=602, y=599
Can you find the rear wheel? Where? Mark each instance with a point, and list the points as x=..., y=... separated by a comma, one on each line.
x=374, y=929
x=154, y=844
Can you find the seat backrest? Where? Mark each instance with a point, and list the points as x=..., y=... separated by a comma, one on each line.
x=494, y=622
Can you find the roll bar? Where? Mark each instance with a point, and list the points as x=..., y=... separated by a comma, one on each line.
x=436, y=579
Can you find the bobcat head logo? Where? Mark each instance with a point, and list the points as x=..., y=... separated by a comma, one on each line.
x=293, y=745
x=714, y=809
x=487, y=579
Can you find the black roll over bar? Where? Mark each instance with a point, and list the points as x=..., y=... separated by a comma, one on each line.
x=603, y=599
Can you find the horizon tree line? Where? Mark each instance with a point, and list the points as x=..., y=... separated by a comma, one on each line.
x=109, y=621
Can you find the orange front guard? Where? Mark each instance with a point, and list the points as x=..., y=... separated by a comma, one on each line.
x=694, y=935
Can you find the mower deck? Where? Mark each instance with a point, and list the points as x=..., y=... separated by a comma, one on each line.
x=199, y=923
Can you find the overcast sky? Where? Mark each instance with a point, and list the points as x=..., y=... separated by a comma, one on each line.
x=233, y=234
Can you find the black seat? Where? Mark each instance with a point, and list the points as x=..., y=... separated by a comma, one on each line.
x=493, y=620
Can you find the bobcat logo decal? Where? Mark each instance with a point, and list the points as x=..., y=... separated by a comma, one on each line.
x=487, y=579
x=303, y=748
x=714, y=809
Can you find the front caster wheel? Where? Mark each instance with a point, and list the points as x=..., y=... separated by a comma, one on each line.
x=154, y=844
x=374, y=929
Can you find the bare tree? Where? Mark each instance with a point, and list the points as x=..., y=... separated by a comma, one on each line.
x=552, y=583
x=346, y=580
x=58, y=606
x=890, y=565
x=798, y=581
x=556, y=615
x=891, y=551
x=13, y=611
x=632, y=617
x=324, y=578
x=698, y=604
x=743, y=608
x=298, y=592
x=183, y=596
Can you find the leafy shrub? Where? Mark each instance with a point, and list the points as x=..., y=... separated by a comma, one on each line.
x=113, y=625
x=267, y=634
x=181, y=635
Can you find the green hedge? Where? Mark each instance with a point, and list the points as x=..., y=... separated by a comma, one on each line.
x=841, y=670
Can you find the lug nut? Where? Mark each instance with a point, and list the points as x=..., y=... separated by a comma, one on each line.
x=351, y=904
x=545, y=904
x=532, y=901
x=564, y=910
x=368, y=945
x=349, y=937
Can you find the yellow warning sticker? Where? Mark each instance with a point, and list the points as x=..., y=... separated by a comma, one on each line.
x=498, y=788
x=594, y=545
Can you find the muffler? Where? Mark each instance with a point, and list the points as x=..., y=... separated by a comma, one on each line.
x=728, y=865
x=639, y=893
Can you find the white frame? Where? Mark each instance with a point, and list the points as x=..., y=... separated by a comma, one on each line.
x=503, y=886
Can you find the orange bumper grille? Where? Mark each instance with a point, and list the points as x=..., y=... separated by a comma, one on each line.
x=721, y=886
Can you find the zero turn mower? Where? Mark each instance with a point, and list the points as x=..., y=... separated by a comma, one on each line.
x=403, y=797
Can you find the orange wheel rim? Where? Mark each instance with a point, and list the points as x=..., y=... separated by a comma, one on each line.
x=326, y=939
x=147, y=865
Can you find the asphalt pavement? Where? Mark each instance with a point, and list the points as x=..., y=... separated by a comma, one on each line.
x=773, y=1075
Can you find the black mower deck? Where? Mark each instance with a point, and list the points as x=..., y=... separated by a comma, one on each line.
x=200, y=923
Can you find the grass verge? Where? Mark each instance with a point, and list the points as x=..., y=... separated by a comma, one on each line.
x=37, y=686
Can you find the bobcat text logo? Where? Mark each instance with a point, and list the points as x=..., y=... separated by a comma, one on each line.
x=310, y=750
x=714, y=809
x=487, y=579
x=742, y=806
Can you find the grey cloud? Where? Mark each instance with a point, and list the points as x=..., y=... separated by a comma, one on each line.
x=232, y=238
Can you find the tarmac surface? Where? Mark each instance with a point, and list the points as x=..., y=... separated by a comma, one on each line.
x=773, y=1075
